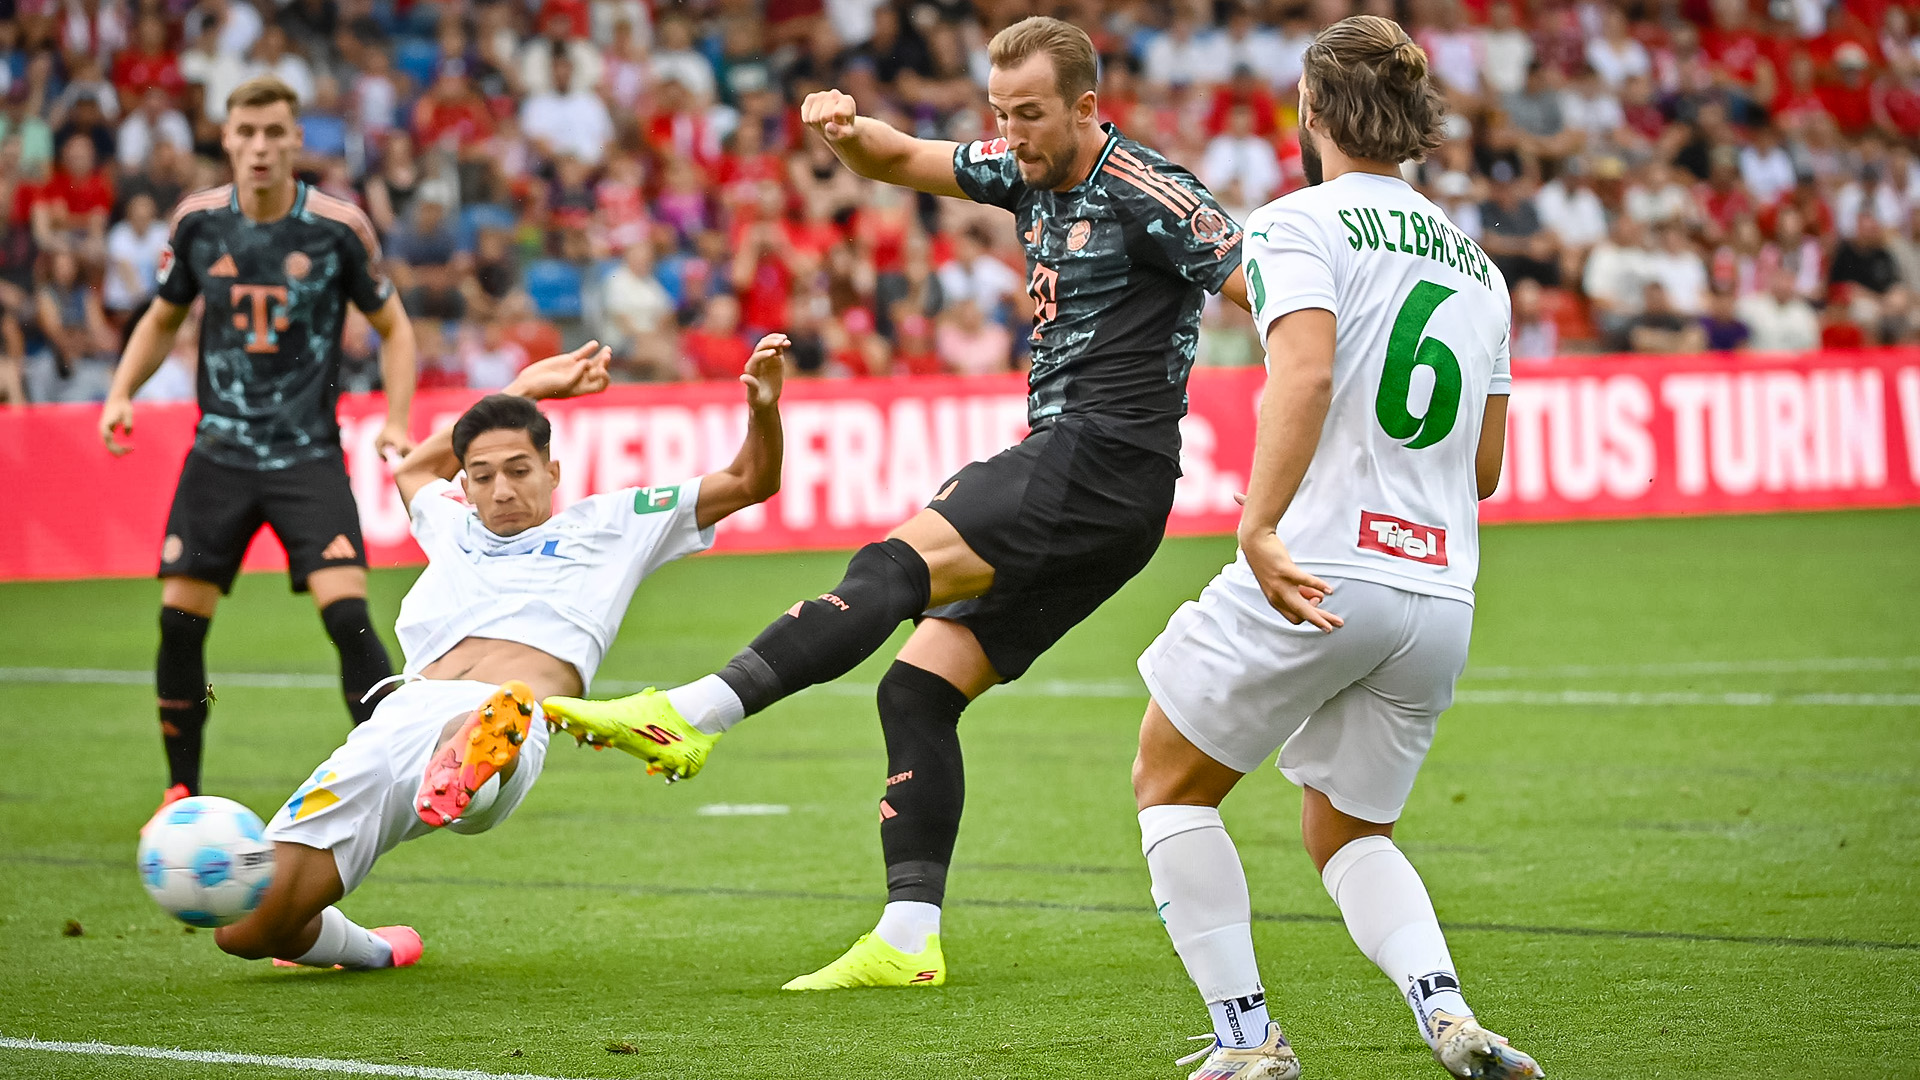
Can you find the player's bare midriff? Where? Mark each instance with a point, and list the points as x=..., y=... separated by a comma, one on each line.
x=495, y=660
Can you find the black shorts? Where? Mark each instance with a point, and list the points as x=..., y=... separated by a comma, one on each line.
x=218, y=508
x=1065, y=519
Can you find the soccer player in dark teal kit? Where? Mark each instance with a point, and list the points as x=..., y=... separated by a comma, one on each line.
x=1011, y=552
x=276, y=263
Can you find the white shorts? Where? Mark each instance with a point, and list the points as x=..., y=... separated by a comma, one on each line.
x=1355, y=709
x=359, y=802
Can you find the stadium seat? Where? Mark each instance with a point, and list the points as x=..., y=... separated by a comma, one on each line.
x=416, y=58
x=556, y=286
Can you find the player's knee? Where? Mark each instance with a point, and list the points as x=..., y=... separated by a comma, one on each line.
x=890, y=573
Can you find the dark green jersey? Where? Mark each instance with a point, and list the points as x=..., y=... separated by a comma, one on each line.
x=276, y=298
x=1116, y=269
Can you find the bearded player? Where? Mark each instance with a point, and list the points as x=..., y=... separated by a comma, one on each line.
x=1338, y=634
x=516, y=603
x=1011, y=552
x=276, y=263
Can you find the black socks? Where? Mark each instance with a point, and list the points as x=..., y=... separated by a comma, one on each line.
x=926, y=781
x=363, y=659
x=180, y=680
x=820, y=640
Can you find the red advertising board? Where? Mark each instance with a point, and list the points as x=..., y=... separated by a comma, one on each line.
x=1593, y=437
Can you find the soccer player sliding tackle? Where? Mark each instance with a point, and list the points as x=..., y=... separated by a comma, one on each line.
x=516, y=603
x=1339, y=632
x=1011, y=552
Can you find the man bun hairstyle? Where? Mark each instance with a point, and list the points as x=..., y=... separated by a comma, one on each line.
x=1068, y=46
x=1372, y=92
x=501, y=412
x=263, y=90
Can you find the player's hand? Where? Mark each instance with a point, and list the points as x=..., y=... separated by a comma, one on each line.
x=1293, y=592
x=116, y=416
x=572, y=374
x=393, y=438
x=831, y=113
x=766, y=369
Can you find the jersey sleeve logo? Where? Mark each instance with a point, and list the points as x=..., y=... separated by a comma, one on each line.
x=986, y=150
x=653, y=500
x=165, y=266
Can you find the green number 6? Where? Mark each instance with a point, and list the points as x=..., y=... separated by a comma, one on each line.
x=1406, y=351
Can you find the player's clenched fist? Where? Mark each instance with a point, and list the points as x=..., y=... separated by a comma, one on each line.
x=829, y=112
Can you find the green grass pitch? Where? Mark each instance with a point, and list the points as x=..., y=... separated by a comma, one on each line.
x=1672, y=825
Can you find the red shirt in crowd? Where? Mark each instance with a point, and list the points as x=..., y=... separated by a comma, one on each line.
x=133, y=72
x=714, y=356
x=1850, y=106
x=72, y=198
x=467, y=122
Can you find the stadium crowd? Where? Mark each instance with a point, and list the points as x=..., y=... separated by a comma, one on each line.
x=1680, y=175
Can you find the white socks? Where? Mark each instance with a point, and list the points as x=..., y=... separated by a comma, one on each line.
x=1200, y=890
x=907, y=924
x=1391, y=919
x=343, y=942
x=707, y=703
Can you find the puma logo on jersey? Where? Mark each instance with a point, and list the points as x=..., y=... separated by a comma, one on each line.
x=339, y=548
x=1403, y=539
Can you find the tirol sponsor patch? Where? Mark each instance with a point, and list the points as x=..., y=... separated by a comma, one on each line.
x=1403, y=539
x=652, y=500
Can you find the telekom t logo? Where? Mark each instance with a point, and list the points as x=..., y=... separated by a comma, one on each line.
x=261, y=309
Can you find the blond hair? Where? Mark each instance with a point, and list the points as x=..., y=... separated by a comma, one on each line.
x=1372, y=92
x=1068, y=46
x=263, y=90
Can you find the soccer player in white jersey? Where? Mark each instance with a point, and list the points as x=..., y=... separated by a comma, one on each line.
x=1338, y=633
x=516, y=603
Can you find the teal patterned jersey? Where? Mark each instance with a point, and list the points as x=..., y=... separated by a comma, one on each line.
x=276, y=296
x=1116, y=269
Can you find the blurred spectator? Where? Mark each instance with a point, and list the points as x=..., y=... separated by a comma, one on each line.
x=1616, y=276
x=488, y=357
x=1779, y=319
x=69, y=212
x=1659, y=328
x=81, y=346
x=1506, y=51
x=1721, y=323
x=175, y=379
x=714, y=345
x=1677, y=266
x=270, y=57
x=970, y=344
x=1535, y=335
x=1865, y=263
x=133, y=255
x=638, y=315
x=976, y=274
x=153, y=120
x=1241, y=167
x=569, y=119
x=1514, y=237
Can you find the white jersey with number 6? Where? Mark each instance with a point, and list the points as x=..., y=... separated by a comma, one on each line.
x=1421, y=336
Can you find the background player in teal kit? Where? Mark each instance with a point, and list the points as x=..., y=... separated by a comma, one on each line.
x=1011, y=552
x=276, y=263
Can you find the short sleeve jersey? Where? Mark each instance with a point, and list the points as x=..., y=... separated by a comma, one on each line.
x=1422, y=322
x=276, y=298
x=562, y=586
x=1116, y=268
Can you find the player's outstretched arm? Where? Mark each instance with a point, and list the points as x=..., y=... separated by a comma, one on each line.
x=573, y=374
x=877, y=150
x=1293, y=409
x=147, y=349
x=397, y=374
x=754, y=476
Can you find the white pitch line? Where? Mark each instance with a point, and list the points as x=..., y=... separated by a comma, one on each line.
x=1128, y=688
x=339, y=1066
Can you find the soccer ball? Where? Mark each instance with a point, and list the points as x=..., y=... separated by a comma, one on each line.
x=206, y=860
